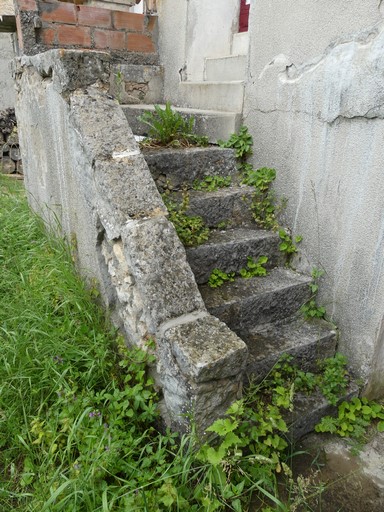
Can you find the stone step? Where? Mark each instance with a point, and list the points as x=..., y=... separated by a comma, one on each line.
x=247, y=303
x=231, y=67
x=223, y=96
x=309, y=409
x=307, y=341
x=213, y=124
x=240, y=43
x=173, y=168
x=229, y=205
x=228, y=250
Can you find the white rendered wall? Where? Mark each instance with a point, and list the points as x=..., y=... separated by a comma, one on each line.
x=315, y=109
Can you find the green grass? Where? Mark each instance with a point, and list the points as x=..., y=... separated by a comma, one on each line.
x=78, y=412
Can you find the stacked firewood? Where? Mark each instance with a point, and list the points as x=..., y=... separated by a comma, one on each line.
x=10, y=158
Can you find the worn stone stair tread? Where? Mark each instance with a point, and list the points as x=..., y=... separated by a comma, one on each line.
x=309, y=409
x=308, y=341
x=231, y=204
x=173, y=167
x=246, y=303
x=229, y=249
x=215, y=124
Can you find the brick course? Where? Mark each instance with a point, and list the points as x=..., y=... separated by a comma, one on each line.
x=46, y=24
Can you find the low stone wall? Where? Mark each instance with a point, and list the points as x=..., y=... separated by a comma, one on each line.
x=84, y=169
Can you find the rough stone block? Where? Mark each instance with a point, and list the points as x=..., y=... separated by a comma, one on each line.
x=228, y=250
x=246, y=303
x=307, y=341
x=158, y=264
x=206, y=349
x=126, y=190
x=229, y=205
x=200, y=403
x=183, y=166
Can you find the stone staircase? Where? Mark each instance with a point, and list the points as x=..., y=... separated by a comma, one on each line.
x=263, y=311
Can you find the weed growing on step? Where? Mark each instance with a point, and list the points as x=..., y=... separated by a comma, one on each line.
x=191, y=229
x=212, y=183
x=169, y=128
x=311, y=309
x=353, y=419
x=252, y=269
x=287, y=246
x=241, y=142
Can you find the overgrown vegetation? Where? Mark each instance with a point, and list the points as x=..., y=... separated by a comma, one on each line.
x=78, y=411
x=191, y=229
x=212, y=183
x=241, y=142
x=169, y=128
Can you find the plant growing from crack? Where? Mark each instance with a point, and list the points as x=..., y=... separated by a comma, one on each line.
x=190, y=228
x=311, y=309
x=168, y=127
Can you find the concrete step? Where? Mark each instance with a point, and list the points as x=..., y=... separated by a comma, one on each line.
x=247, y=303
x=213, y=124
x=175, y=168
x=228, y=250
x=307, y=341
x=229, y=205
x=223, y=96
x=231, y=67
x=240, y=43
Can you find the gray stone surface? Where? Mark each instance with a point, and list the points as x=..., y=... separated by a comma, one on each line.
x=183, y=166
x=85, y=174
x=69, y=69
x=307, y=341
x=228, y=250
x=245, y=303
x=231, y=205
x=199, y=354
x=158, y=264
x=201, y=377
x=130, y=83
x=309, y=409
x=7, y=84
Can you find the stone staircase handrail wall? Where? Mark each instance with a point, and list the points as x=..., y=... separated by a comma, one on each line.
x=84, y=171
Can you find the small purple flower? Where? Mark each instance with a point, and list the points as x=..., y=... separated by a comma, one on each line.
x=58, y=359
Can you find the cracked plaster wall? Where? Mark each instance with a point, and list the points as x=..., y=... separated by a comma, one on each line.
x=189, y=31
x=315, y=106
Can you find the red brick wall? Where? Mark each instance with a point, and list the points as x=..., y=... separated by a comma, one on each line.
x=45, y=24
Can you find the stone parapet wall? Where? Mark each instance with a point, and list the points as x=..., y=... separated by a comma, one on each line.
x=46, y=24
x=85, y=172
